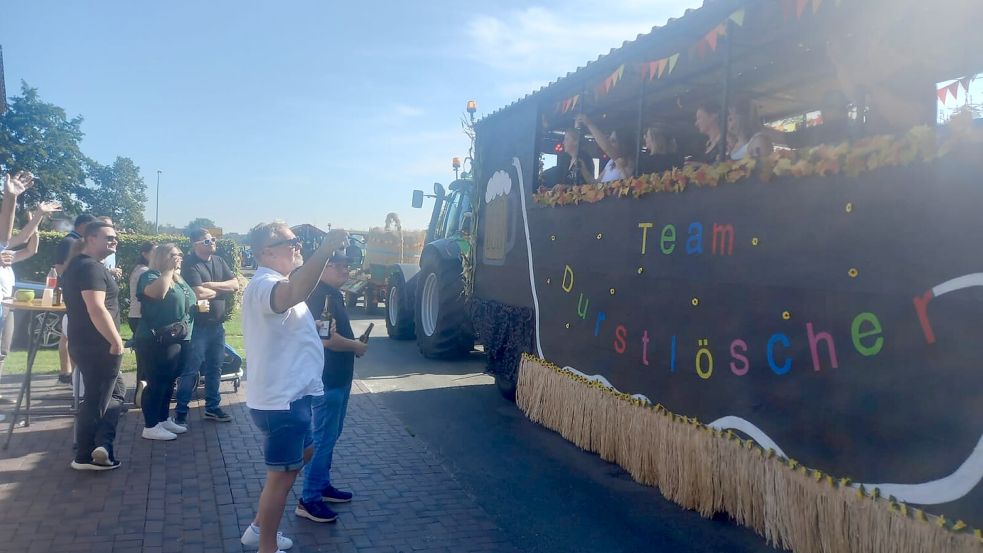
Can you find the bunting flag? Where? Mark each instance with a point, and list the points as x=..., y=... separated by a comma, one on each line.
x=568, y=104
x=657, y=68
x=952, y=89
x=611, y=81
x=800, y=7
x=737, y=17
x=714, y=34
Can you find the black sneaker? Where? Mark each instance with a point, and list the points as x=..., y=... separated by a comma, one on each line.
x=334, y=495
x=181, y=419
x=83, y=465
x=316, y=511
x=64, y=379
x=217, y=414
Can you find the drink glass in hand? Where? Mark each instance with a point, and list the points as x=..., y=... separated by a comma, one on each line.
x=203, y=306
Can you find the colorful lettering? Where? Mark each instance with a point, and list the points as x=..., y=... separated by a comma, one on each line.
x=704, y=354
x=814, y=340
x=785, y=367
x=859, y=334
x=645, y=233
x=597, y=326
x=567, y=279
x=667, y=242
x=645, y=348
x=921, y=307
x=620, y=339
x=739, y=356
x=694, y=244
x=726, y=235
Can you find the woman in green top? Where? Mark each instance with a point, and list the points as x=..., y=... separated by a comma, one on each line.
x=165, y=299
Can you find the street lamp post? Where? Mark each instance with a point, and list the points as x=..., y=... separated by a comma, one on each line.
x=157, y=206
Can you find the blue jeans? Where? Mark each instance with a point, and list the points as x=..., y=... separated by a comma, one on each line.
x=328, y=420
x=207, y=356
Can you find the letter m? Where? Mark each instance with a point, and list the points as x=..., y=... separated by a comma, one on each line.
x=724, y=235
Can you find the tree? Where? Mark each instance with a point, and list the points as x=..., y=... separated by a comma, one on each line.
x=118, y=191
x=38, y=137
x=200, y=222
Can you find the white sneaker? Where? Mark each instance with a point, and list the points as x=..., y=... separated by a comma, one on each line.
x=173, y=427
x=100, y=456
x=250, y=538
x=158, y=433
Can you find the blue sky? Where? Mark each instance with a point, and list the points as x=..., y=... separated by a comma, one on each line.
x=306, y=111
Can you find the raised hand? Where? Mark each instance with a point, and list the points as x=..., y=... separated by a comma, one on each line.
x=18, y=183
x=336, y=238
x=47, y=208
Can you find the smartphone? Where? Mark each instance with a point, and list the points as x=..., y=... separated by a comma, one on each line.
x=364, y=338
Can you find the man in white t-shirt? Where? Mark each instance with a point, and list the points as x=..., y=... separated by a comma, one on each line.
x=285, y=362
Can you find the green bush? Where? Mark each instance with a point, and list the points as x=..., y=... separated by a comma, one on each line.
x=36, y=268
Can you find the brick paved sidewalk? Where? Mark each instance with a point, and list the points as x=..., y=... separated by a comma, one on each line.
x=198, y=493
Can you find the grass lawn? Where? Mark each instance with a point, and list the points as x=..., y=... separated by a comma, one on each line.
x=47, y=359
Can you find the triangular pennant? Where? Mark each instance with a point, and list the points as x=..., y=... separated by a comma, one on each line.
x=672, y=62
x=800, y=7
x=965, y=83
x=942, y=93
x=954, y=90
x=714, y=34
x=738, y=17
x=815, y=6
x=574, y=100
x=662, y=66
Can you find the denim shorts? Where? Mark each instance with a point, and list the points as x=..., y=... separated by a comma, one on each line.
x=286, y=434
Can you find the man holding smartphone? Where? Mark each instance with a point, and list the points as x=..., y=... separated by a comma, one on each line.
x=340, y=350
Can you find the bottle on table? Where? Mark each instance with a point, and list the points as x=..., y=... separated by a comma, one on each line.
x=50, y=283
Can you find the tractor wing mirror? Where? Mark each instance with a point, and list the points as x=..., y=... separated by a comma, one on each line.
x=418, y=199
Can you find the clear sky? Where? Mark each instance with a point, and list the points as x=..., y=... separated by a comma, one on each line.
x=307, y=111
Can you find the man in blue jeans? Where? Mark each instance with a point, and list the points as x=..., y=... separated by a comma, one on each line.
x=212, y=280
x=340, y=350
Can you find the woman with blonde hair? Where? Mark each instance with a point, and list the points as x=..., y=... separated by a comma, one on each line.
x=163, y=339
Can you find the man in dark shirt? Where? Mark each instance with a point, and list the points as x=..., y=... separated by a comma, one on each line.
x=61, y=256
x=212, y=280
x=329, y=410
x=92, y=301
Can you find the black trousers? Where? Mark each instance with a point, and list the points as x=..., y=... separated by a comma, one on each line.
x=162, y=363
x=99, y=412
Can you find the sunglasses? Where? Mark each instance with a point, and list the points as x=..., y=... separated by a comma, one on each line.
x=112, y=239
x=294, y=243
x=207, y=241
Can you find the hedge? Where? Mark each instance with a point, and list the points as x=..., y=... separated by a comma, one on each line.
x=36, y=268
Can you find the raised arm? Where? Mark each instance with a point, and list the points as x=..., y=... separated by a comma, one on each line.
x=33, y=220
x=301, y=282
x=13, y=186
x=29, y=251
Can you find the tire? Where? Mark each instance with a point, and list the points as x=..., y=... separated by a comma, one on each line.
x=443, y=324
x=399, y=319
x=49, y=325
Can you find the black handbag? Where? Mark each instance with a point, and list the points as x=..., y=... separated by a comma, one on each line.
x=172, y=333
x=175, y=332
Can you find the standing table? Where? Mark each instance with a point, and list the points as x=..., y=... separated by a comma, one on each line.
x=33, y=344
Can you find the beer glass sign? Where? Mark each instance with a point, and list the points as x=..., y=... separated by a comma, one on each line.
x=497, y=217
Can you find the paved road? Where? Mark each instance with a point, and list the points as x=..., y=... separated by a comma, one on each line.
x=547, y=494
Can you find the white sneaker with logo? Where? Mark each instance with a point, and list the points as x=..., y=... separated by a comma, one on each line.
x=173, y=427
x=250, y=538
x=158, y=433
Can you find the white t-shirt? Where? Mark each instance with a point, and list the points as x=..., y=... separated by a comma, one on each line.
x=134, y=312
x=611, y=172
x=283, y=351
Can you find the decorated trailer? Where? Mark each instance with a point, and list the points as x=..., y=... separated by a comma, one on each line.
x=790, y=337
